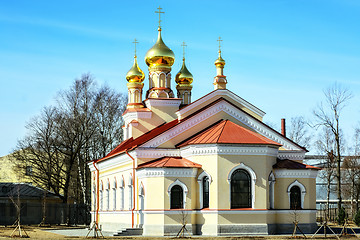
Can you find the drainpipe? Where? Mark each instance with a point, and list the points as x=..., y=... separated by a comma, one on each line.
x=133, y=183
x=97, y=195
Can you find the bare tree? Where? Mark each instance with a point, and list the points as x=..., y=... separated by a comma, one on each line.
x=84, y=125
x=328, y=114
x=299, y=131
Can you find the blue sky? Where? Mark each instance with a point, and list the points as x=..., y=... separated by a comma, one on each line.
x=279, y=54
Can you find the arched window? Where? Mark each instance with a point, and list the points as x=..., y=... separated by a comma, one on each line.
x=295, y=198
x=176, y=197
x=204, y=180
x=205, y=185
x=296, y=192
x=240, y=189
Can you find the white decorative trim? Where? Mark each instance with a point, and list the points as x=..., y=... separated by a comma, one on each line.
x=217, y=149
x=292, y=155
x=158, y=102
x=113, y=161
x=166, y=172
x=219, y=93
x=155, y=153
x=302, y=191
x=298, y=173
x=228, y=108
x=272, y=181
x=253, y=180
x=183, y=186
x=201, y=189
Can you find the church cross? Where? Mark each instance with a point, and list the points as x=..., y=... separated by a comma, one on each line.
x=159, y=12
x=183, y=45
x=135, y=42
x=219, y=40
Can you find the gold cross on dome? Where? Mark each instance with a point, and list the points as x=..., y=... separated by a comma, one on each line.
x=183, y=45
x=219, y=40
x=135, y=42
x=159, y=12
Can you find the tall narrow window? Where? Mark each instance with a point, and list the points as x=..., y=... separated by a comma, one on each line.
x=114, y=198
x=107, y=199
x=295, y=198
x=121, y=198
x=101, y=199
x=176, y=197
x=205, y=192
x=240, y=189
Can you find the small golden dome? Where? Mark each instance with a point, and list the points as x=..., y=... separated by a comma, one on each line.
x=184, y=77
x=159, y=55
x=219, y=61
x=135, y=74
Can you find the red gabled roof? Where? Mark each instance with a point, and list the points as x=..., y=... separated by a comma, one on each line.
x=226, y=131
x=290, y=164
x=132, y=143
x=170, y=162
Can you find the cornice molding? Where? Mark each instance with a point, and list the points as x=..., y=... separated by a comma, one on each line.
x=154, y=153
x=295, y=173
x=292, y=155
x=158, y=102
x=216, y=149
x=166, y=172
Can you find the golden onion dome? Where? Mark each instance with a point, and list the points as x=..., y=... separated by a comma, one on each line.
x=159, y=54
x=184, y=77
x=135, y=74
x=219, y=61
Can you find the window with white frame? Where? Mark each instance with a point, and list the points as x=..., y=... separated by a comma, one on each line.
x=204, y=180
x=101, y=196
x=114, y=194
x=121, y=195
x=296, y=193
x=242, y=181
x=177, y=192
x=130, y=193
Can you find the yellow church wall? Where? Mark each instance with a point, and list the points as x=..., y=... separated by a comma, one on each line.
x=166, y=113
x=281, y=198
x=261, y=165
x=210, y=166
x=154, y=193
x=288, y=217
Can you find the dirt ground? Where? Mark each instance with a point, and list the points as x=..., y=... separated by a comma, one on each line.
x=41, y=234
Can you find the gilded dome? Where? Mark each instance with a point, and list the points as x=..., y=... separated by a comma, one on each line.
x=159, y=54
x=184, y=77
x=219, y=61
x=135, y=74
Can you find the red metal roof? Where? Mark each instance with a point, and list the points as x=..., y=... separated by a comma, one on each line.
x=290, y=164
x=132, y=143
x=226, y=131
x=170, y=162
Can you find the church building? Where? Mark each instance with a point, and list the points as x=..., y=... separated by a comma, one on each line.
x=211, y=165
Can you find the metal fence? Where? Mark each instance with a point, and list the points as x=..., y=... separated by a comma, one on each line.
x=332, y=213
x=53, y=213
